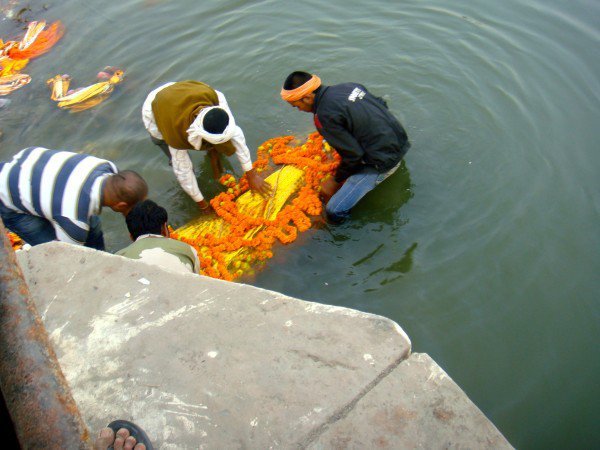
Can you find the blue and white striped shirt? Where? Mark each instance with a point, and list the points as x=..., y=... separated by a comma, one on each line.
x=63, y=187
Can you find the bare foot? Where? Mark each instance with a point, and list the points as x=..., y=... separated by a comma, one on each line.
x=121, y=441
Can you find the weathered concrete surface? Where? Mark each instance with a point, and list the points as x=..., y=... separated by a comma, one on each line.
x=416, y=406
x=202, y=363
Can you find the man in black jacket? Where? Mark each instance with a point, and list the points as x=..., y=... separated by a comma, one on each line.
x=359, y=127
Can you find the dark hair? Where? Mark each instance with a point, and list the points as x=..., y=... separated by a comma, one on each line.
x=295, y=80
x=129, y=187
x=215, y=121
x=146, y=218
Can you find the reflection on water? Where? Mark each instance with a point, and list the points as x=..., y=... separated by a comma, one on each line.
x=398, y=268
x=368, y=257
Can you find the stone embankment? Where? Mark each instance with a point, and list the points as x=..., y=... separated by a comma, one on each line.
x=204, y=363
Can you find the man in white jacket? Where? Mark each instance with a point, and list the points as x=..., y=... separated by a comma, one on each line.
x=190, y=115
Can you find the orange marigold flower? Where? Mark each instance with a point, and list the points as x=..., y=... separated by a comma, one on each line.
x=248, y=233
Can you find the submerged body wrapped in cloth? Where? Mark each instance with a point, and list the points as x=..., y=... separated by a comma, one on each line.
x=247, y=226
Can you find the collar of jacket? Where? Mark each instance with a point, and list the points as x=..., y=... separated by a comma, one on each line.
x=318, y=94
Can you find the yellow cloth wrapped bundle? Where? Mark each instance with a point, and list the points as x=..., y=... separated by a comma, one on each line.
x=246, y=225
x=286, y=182
x=86, y=97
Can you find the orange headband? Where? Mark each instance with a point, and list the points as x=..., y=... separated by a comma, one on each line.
x=293, y=95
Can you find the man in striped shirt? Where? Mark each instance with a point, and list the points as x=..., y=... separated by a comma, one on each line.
x=48, y=195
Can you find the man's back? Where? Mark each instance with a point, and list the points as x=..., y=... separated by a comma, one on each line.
x=176, y=106
x=367, y=116
x=359, y=126
x=63, y=187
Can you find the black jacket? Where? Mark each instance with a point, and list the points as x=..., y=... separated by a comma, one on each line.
x=360, y=127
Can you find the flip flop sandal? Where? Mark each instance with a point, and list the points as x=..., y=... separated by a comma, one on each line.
x=140, y=435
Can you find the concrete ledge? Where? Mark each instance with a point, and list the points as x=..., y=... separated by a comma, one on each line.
x=416, y=406
x=204, y=363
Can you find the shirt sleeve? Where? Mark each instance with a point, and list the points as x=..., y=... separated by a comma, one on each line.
x=242, y=152
x=184, y=172
x=222, y=100
x=148, y=114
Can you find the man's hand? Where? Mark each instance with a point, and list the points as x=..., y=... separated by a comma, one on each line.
x=204, y=206
x=328, y=188
x=257, y=184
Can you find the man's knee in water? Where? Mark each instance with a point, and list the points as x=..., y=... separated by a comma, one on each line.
x=335, y=214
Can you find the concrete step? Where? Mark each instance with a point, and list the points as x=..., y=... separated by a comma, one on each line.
x=205, y=363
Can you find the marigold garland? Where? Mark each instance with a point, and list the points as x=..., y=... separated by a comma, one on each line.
x=15, y=55
x=15, y=241
x=247, y=226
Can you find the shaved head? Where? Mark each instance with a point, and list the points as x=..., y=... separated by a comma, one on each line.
x=129, y=187
x=124, y=190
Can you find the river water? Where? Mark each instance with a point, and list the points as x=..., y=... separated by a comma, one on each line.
x=484, y=248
